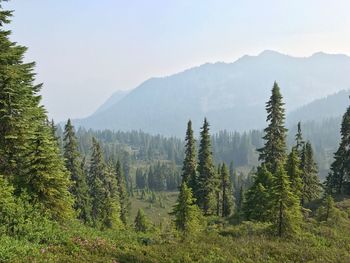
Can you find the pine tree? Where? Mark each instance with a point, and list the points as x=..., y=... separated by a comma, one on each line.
x=103, y=190
x=328, y=212
x=186, y=212
x=274, y=150
x=339, y=176
x=294, y=172
x=189, y=172
x=285, y=208
x=29, y=154
x=206, y=173
x=123, y=193
x=299, y=139
x=257, y=198
x=141, y=223
x=79, y=188
x=310, y=180
x=227, y=194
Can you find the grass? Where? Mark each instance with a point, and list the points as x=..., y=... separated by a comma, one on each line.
x=247, y=242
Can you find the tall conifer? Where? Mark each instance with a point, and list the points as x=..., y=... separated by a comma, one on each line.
x=274, y=150
x=206, y=173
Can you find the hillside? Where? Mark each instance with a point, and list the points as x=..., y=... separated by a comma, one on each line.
x=231, y=95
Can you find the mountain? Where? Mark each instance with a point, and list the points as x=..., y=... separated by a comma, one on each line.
x=231, y=95
x=115, y=98
x=332, y=106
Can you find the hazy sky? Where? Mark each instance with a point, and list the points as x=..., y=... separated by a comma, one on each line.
x=87, y=49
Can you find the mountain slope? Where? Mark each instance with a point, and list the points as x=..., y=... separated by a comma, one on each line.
x=325, y=108
x=231, y=95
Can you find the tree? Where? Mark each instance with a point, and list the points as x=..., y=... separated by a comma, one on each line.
x=29, y=154
x=327, y=212
x=206, y=173
x=123, y=193
x=103, y=190
x=310, y=180
x=186, y=212
x=257, y=198
x=285, y=208
x=79, y=188
x=294, y=172
x=227, y=194
x=339, y=175
x=274, y=150
x=141, y=223
x=299, y=139
x=189, y=172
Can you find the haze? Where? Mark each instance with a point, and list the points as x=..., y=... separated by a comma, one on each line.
x=86, y=50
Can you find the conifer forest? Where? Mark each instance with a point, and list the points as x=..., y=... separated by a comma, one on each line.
x=72, y=193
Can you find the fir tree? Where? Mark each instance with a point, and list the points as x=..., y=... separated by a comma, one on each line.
x=123, y=194
x=274, y=150
x=186, y=212
x=339, y=176
x=79, y=188
x=206, y=173
x=257, y=198
x=294, y=172
x=227, y=194
x=29, y=154
x=141, y=223
x=285, y=208
x=310, y=180
x=103, y=190
x=189, y=172
x=299, y=139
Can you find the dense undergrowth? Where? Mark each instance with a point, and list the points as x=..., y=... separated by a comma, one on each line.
x=220, y=242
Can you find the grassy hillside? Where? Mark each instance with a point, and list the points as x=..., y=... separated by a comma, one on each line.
x=247, y=242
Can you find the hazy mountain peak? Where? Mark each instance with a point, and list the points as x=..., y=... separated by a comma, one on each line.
x=231, y=95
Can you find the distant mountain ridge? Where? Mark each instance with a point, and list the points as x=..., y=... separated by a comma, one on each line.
x=231, y=95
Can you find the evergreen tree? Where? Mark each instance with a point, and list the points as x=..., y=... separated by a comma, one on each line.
x=294, y=172
x=227, y=194
x=257, y=198
x=310, y=180
x=79, y=188
x=29, y=154
x=328, y=212
x=285, y=208
x=299, y=139
x=274, y=150
x=206, y=173
x=189, y=172
x=141, y=223
x=103, y=190
x=186, y=212
x=339, y=176
x=123, y=194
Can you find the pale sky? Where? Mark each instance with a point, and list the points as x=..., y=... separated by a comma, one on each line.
x=87, y=49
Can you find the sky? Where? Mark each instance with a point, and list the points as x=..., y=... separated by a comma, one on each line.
x=85, y=50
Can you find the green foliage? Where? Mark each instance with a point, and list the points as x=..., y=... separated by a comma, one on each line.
x=103, y=190
x=123, y=193
x=294, y=172
x=186, y=212
x=285, y=208
x=274, y=150
x=205, y=194
x=311, y=182
x=141, y=223
x=328, y=212
x=257, y=198
x=79, y=188
x=189, y=167
x=339, y=176
x=227, y=194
